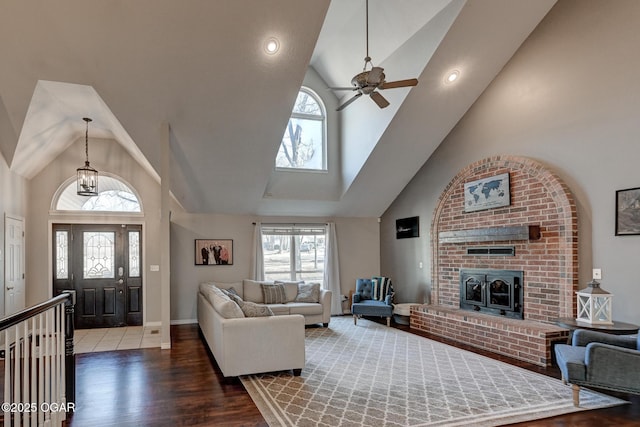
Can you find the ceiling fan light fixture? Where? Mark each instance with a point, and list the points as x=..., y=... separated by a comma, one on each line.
x=271, y=46
x=369, y=81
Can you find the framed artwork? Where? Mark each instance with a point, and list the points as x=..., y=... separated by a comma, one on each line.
x=214, y=252
x=628, y=212
x=407, y=227
x=487, y=193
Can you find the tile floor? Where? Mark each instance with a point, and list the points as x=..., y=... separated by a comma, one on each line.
x=109, y=339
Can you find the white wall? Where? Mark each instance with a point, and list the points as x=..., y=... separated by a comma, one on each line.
x=358, y=248
x=12, y=202
x=358, y=238
x=569, y=98
x=107, y=156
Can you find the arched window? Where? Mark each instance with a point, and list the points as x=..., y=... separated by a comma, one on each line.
x=304, y=142
x=113, y=196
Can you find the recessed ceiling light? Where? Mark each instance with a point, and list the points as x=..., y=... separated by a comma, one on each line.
x=452, y=76
x=271, y=46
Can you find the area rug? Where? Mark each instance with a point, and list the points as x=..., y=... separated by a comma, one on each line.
x=373, y=375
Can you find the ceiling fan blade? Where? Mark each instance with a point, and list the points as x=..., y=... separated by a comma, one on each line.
x=353, y=98
x=379, y=99
x=343, y=88
x=398, y=83
x=375, y=75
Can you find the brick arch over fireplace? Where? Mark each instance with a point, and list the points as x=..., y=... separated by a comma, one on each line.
x=538, y=197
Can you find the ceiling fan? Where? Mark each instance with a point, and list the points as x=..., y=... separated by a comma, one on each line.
x=366, y=82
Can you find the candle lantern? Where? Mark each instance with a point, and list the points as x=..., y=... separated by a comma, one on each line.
x=594, y=305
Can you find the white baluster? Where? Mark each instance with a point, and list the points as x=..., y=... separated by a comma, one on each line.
x=41, y=366
x=7, y=375
x=17, y=398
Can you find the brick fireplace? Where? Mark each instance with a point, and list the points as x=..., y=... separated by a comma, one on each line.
x=539, y=200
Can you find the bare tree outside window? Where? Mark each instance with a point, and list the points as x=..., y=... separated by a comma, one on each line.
x=303, y=143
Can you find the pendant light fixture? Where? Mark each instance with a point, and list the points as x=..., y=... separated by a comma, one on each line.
x=87, y=176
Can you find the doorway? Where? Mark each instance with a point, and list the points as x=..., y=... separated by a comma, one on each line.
x=14, y=292
x=102, y=264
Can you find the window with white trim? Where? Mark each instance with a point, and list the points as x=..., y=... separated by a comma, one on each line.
x=114, y=196
x=294, y=252
x=303, y=145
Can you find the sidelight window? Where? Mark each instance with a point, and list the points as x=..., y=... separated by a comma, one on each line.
x=62, y=254
x=134, y=254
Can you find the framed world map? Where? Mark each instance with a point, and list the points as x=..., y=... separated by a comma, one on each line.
x=487, y=193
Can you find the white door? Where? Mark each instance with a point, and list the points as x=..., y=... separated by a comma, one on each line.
x=14, y=295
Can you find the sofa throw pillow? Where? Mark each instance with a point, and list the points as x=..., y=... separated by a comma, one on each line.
x=231, y=291
x=251, y=309
x=290, y=289
x=224, y=305
x=273, y=294
x=236, y=299
x=308, y=292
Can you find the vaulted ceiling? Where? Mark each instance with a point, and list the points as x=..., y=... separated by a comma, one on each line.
x=200, y=66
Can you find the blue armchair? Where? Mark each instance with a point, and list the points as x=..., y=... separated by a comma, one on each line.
x=600, y=360
x=373, y=297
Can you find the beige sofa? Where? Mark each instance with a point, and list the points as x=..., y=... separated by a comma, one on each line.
x=313, y=312
x=248, y=345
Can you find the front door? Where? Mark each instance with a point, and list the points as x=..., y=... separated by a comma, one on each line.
x=102, y=264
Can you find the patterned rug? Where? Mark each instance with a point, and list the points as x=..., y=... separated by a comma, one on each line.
x=372, y=375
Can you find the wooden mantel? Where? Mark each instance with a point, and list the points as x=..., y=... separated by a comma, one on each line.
x=491, y=234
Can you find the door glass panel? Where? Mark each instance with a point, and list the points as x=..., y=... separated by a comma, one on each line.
x=62, y=254
x=134, y=254
x=99, y=250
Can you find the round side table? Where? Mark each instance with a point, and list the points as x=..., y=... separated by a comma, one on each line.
x=402, y=312
x=618, y=328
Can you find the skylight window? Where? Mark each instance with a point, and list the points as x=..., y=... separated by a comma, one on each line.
x=303, y=145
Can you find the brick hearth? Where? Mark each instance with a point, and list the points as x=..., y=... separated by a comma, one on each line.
x=538, y=197
x=526, y=340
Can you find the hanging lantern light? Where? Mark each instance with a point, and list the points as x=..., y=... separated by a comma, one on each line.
x=594, y=305
x=87, y=176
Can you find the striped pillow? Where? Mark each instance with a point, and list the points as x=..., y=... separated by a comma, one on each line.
x=381, y=287
x=273, y=294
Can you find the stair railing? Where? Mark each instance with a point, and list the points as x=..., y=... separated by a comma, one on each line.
x=39, y=363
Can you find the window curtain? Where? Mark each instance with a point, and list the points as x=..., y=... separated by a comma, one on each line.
x=257, y=266
x=332, y=270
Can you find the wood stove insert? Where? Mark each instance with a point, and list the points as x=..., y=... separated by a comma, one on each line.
x=496, y=292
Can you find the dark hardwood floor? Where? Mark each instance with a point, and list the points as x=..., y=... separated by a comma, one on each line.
x=183, y=386
x=152, y=387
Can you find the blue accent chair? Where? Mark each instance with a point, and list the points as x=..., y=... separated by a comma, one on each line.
x=600, y=360
x=373, y=297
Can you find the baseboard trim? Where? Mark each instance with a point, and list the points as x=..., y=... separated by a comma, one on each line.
x=184, y=321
